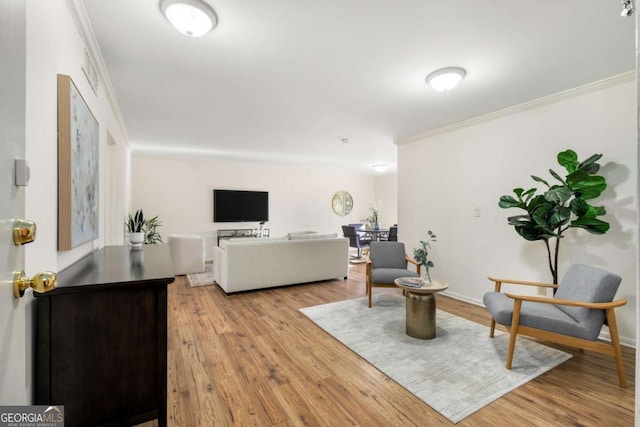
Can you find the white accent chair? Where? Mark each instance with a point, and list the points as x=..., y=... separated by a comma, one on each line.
x=187, y=253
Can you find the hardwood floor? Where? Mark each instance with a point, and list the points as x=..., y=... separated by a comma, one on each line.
x=254, y=359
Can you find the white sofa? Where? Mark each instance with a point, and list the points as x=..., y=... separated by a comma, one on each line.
x=246, y=264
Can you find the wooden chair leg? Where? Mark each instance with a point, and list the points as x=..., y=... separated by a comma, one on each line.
x=515, y=321
x=493, y=327
x=370, y=292
x=615, y=342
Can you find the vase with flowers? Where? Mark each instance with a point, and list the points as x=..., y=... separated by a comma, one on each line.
x=421, y=254
x=372, y=221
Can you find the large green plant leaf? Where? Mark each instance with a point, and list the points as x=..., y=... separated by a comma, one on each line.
x=556, y=176
x=534, y=203
x=559, y=194
x=538, y=179
x=530, y=233
x=541, y=216
x=587, y=187
x=559, y=217
x=592, y=225
x=590, y=166
x=510, y=202
x=579, y=207
x=527, y=195
x=519, y=220
x=568, y=159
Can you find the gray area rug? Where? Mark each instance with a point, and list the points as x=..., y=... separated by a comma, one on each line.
x=456, y=373
x=202, y=279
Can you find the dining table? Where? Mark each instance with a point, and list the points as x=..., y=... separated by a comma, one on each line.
x=376, y=234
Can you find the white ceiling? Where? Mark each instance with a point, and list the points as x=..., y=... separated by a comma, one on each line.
x=287, y=80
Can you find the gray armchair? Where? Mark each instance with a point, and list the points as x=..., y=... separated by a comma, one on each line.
x=387, y=262
x=574, y=316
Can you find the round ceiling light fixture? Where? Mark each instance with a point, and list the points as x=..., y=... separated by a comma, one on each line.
x=380, y=167
x=445, y=79
x=193, y=18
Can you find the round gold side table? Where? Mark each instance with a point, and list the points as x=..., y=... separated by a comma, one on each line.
x=421, y=307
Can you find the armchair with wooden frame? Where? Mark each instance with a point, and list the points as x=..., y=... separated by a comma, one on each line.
x=387, y=262
x=573, y=317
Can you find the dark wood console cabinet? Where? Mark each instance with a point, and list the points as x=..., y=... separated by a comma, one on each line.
x=101, y=338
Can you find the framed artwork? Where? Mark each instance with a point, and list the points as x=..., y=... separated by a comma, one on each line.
x=78, y=143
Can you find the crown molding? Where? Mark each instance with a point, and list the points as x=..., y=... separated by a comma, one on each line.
x=83, y=24
x=536, y=103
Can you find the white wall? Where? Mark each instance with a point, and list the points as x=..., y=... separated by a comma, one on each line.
x=386, y=190
x=471, y=167
x=180, y=191
x=55, y=46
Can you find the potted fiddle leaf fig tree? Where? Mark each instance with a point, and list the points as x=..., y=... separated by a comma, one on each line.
x=563, y=204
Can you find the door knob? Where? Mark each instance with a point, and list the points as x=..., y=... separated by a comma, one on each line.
x=41, y=282
x=24, y=231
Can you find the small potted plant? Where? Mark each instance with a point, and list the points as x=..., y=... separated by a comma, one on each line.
x=135, y=227
x=421, y=254
x=151, y=235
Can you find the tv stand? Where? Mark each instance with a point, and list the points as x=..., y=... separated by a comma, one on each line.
x=233, y=233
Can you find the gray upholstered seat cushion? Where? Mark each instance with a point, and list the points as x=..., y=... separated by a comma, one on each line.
x=388, y=275
x=547, y=317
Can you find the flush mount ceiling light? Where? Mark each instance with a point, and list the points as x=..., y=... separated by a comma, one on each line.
x=627, y=8
x=193, y=18
x=380, y=167
x=445, y=79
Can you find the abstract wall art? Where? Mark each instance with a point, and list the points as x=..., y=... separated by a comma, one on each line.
x=78, y=173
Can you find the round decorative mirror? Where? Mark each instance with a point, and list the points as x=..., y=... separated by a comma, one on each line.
x=342, y=203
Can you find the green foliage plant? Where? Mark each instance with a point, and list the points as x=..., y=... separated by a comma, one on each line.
x=421, y=254
x=135, y=223
x=151, y=235
x=562, y=205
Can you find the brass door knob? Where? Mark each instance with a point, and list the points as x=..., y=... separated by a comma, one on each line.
x=24, y=231
x=41, y=282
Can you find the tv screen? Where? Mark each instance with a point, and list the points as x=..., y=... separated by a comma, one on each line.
x=240, y=206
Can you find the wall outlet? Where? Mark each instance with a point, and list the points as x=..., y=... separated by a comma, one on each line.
x=476, y=211
x=542, y=291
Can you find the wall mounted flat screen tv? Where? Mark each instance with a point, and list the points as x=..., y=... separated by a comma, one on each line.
x=240, y=206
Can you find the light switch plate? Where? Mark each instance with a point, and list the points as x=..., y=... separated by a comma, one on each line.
x=22, y=172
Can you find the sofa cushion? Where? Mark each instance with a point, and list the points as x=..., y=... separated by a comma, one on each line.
x=299, y=233
x=312, y=235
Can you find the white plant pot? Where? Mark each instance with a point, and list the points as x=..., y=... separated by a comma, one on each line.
x=136, y=239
